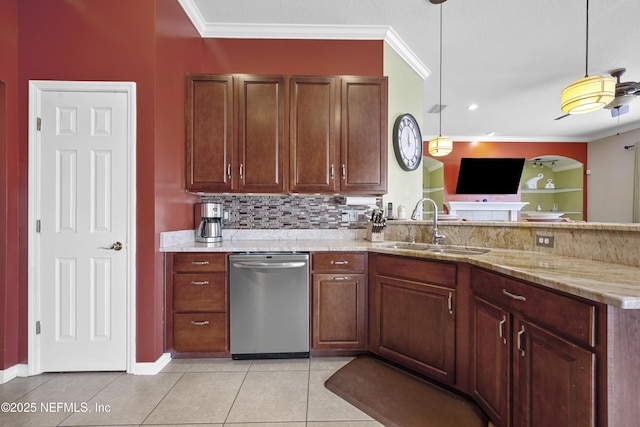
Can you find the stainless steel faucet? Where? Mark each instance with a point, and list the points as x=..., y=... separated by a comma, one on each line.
x=437, y=238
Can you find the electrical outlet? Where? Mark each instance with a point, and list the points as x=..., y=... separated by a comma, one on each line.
x=544, y=241
x=349, y=215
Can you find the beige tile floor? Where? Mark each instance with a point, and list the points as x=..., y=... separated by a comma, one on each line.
x=188, y=392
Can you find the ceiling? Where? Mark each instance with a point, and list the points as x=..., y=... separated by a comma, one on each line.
x=510, y=57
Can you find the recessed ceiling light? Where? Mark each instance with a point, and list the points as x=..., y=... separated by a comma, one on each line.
x=472, y=107
x=490, y=133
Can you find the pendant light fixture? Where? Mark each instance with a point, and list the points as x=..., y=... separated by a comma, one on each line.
x=589, y=93
x=440, y=146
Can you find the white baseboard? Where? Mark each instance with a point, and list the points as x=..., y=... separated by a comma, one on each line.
x=145, y=368
x=8, y=374
x=151, y=368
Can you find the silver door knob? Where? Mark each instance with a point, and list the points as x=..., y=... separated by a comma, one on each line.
x=115, y=247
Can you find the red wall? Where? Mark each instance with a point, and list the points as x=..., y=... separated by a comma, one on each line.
x=9, y=251
x=303, y=57
x=577, y=151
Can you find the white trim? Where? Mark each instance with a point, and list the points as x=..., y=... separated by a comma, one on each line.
x=396, y=43
x=303, y=31
x=36, y=87
x=8, y=374
x=151, y=368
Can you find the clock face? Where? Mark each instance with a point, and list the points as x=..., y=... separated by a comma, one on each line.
x=407, y=142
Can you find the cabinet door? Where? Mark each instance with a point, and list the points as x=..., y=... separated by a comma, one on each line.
x=313, y=133
x=417, y=326
x=364, y=135
x=553, y=380
x=209, y=132
x=338, y=311
x=490, y=370
x=262, y=133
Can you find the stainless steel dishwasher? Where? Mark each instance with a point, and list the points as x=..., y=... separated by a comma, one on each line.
x=269, y=305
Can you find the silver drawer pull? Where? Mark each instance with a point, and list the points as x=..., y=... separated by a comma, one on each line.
x=203, y=282
x=200, y=262
x=513, y=296
x=450, y=303
x=339, y=262
x=199, y=323
x=340, y=278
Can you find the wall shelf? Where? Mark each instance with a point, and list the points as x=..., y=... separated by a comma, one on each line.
x=548, y=190
x=432, y=190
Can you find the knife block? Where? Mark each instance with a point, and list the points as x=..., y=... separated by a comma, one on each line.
x=374, y=237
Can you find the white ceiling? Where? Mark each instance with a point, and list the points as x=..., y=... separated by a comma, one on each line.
x=511, y=57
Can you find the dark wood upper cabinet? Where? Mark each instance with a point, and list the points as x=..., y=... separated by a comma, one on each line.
x=314, y=133
x=364, y=135
x=262, y=136
x=275, y=134
x=209, y=132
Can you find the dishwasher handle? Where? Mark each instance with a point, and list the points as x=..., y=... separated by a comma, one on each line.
x=260, y=264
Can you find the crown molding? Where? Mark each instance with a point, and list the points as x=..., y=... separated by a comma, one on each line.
x=307, y=31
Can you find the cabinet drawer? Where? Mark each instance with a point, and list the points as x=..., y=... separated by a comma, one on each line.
x=199, y=292
x=200, y=332
x=568, y=316
x=199, y=262
x=440, y=273
x=338, y=261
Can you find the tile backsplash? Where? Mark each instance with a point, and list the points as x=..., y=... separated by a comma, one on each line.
x=289, y=211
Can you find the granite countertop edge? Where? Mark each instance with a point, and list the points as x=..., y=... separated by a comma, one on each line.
x=575, y=276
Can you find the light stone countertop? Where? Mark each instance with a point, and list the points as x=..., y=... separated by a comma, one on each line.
x=612, y=284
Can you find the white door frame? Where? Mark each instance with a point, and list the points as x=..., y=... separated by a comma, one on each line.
x=36, y=88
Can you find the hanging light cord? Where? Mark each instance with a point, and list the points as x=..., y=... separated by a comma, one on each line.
x=586, y=61
x=440, y=115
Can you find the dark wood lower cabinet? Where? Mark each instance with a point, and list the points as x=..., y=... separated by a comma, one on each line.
x=197, y=321
x=553, y=380
x=491, y=377
x=525, y=373
x=338, y=311
x=338, y=302
x=413, y=319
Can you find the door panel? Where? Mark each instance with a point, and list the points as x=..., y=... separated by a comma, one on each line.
x=83, y=212
x=262, y=133
x=554, y=380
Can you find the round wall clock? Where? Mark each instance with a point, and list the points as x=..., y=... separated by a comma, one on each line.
x=407, y=142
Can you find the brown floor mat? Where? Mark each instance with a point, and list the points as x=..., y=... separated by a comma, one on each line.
x=396, y=398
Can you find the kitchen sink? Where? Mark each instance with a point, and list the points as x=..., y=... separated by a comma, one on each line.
x=441, y=249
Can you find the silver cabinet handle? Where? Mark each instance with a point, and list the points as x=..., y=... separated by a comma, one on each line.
x=513, y=296
x=519, y=343
x=229, y=170
x=340, y=278
x=203, y=282
x=200, y=262
x=241, y=170
x=331, y=169
x=450, y=303
x=501, y=329
x=344, y=171
x=339, y=262
x=199, y=323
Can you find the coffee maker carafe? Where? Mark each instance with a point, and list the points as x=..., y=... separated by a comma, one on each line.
x=208, y=216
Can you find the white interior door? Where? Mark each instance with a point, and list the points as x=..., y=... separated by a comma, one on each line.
x=82, y=235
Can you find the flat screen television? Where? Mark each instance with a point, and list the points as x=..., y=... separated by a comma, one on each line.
x=489, y=175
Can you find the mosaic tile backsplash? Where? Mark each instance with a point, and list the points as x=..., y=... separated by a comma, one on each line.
x=290, y=212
